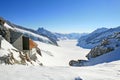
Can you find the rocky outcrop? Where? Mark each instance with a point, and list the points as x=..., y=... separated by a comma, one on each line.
x=99, y=50
x=107, y=45
x=5, y=32
x=77, y=63
x=2, y=21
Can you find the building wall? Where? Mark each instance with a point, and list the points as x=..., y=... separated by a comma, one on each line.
x=18, y=43
x=32, y=44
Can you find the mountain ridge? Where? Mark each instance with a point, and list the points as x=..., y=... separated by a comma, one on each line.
x=93, y=39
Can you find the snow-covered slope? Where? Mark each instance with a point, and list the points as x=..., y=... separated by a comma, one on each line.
x=106, y=71
x=7, y=48
x=107, y=51
x=105, y=58
x=71, y=36
x=60, y=56
x=94, y=38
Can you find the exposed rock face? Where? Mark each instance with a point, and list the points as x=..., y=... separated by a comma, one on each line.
x=97, y=51
x=5, y=32
x=2, y=21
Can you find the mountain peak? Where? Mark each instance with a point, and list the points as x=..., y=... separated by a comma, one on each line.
x=100, y=30
x=40, y=28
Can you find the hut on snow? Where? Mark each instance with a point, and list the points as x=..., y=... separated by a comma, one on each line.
x=22, y=42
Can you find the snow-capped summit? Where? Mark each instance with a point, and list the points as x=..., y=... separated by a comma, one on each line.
x=48, y=34
x=99, y=30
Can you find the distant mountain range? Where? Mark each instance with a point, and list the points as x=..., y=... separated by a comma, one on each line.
x=61, y=36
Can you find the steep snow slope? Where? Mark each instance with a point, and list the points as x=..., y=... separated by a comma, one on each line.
x=106, y=71
x=93, y=39
x=60, y=56
x=6, y=49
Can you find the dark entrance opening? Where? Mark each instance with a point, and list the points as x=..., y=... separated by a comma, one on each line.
x=25, y=43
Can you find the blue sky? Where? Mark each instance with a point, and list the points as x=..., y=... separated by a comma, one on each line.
x=64, y=16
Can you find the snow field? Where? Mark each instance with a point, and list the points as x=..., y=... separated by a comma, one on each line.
x=60, y=56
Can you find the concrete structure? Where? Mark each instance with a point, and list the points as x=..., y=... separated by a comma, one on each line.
x=22, y=42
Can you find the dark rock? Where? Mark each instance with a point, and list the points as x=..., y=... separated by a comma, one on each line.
x=78, y=78
x=77, y=63
x=38, y=51
x=97, y=51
